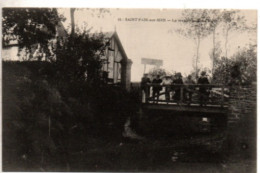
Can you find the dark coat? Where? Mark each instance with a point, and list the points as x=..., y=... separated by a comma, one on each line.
x=177, y=89
x=144, y=82
x=178, y=81
x=203, y=80
x=157, y=81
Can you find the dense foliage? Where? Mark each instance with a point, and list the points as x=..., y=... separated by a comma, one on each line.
x=241, y=68
x=199, y=24
x=55, y=107
x=156, y=71
x=35, y=115
x=78, y=62
x=30, y=27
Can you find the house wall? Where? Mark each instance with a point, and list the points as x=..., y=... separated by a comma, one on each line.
x=114, y=62
x=10, y=54
x=117, y=62
x=114, y=58
x=119, y=69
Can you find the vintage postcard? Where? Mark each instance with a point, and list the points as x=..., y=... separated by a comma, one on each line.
x=129, y=89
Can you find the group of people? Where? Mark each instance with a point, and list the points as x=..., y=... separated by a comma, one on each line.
x=174, y=82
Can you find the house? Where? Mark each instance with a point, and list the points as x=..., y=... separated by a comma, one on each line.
x=10, y=51
x=116, y=67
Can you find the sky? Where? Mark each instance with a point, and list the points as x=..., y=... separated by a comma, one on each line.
x=157, y=39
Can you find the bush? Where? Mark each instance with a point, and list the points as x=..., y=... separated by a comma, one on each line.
x=241, y=68
x=38, y=118
x=43, y=125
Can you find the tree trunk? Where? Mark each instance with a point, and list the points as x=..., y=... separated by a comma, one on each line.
x=72, y=11
x=213, y=51
x=226, y=42
x=197, y=57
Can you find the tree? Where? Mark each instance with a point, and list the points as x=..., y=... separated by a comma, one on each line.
x=241, y=68
x=215, y=54
x=157, y=71
x=72, y=11
x=97, y=12
x=215, y=20
x=78, y=61
x=232, y=21
x=196, y=25
x=30, y=27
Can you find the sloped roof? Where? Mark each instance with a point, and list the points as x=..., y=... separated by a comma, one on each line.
x=61, y=31
x=108, y=34
x=120, y=46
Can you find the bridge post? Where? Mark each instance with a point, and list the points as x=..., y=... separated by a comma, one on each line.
x=146, y=93
x=222, y=95
x=181, y=100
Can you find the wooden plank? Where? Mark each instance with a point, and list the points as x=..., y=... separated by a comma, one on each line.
x=217, y=103
x=181, y=94
x=146, y=93
x=222, y=96
x=219, y=100
x=185, y=108
x=194, y=85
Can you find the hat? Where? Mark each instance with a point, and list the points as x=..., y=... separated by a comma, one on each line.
x=178, y=74
x=203, y=73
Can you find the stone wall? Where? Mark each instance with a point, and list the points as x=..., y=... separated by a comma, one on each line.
x=242, y=121
x=242, y=103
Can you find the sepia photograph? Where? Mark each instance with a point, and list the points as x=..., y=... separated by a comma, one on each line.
x=129, y=90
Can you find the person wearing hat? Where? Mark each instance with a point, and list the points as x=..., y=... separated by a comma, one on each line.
x=157, y=87
x=190, y=89
x=204, y=94
x=178, y=80
x=167, y=81
x=144, y=85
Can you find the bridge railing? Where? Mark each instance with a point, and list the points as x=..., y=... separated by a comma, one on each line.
x=189, y=94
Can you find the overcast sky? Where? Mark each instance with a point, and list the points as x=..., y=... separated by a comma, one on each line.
x=146, y=39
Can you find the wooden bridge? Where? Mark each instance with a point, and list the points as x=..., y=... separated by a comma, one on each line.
x=186, y=98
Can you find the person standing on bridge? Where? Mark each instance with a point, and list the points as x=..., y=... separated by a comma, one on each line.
x=144, y=85
x=157, y=87
x=204, y=93
x=167, y=81
x=178, y=80
x=190, y=89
